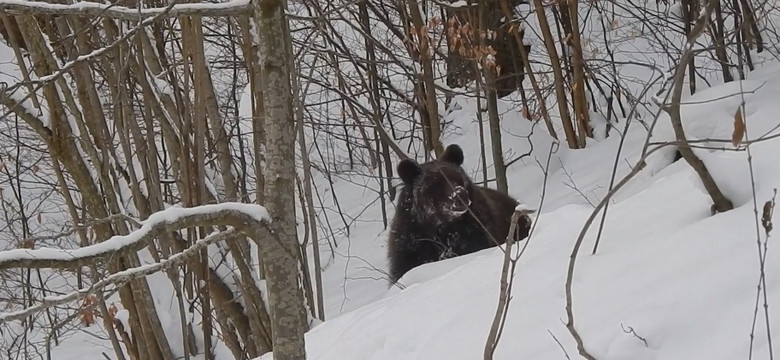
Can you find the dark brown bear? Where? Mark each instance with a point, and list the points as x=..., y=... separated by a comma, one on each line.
x=441, y=214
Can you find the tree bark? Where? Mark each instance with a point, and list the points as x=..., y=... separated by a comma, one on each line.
x=428, y=93
x=555, y=61
x=494, y=122
x=581, y=111
x=288, y=322
x=720, y=202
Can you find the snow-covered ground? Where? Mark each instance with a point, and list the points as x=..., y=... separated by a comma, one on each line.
x=669, y=280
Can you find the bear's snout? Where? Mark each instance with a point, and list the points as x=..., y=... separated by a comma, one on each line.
x=460, y=200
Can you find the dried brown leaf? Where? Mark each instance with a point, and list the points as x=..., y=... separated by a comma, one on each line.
x=739, y=129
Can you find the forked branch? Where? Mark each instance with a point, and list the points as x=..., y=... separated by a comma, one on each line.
x=720, y=202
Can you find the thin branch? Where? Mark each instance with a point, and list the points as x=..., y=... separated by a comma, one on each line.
x=640, y=165
x=630, y=330
x=172, y=219
x=565, y=353
x=84, y=8
x=87, y=225
x=118, y=279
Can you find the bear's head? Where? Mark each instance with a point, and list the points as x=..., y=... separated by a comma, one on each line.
x=437, y=191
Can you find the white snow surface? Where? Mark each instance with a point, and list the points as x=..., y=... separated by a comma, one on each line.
x=666, y=272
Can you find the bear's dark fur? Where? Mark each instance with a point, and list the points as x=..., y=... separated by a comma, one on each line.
x=441, y=213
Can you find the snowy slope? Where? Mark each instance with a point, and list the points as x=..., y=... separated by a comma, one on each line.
x=683, y=280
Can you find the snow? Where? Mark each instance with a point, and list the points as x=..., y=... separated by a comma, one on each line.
x=669, y=280
x=667, y=272
x=122, y=11
x=117, y=242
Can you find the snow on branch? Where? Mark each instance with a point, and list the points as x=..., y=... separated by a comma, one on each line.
x=247, y=218
x=151, y=16
x=118, y=279
x=229, y=8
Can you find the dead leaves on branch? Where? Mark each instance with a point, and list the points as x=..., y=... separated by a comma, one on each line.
x=739, y=129
x=766, y=216
x=468, y=42
x=88, y=313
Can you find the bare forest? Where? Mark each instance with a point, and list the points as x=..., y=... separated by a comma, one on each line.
x=167, y=168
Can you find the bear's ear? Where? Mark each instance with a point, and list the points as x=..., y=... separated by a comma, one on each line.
x=409, y=170
x=453, y=154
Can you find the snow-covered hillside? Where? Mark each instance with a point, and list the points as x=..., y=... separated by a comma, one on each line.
x=669, y=281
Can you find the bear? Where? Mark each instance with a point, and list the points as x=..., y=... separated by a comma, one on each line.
x=440, y=213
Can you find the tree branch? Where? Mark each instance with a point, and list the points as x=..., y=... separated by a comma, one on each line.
x=83, y=8
x=117, y=279
x=246, y=218
x=720, y=202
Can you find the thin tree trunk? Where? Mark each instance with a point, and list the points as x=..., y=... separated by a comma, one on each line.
x=720, y=202
x=494, y=122
x=428, y=95
x=581, y=111
x=288, y=322
x=560, y=92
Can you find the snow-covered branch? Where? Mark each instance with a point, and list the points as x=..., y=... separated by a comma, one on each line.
x=229, y=8
x=118, y=279
x=246, y=218
x=40, y=82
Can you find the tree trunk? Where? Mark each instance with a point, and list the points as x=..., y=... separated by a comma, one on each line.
x=288, y=322
x=428, y=91
x=494, y=123
x=555, y=62
x=720, y=202
x=581, y=111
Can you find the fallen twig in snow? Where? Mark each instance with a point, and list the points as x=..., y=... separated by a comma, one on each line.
x=630, y=330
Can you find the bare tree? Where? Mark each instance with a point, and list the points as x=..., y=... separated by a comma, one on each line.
x=288, y=321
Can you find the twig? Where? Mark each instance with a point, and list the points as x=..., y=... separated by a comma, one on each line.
x=630, y=330
x=613, y=175
x=573, y=185
x=565, y=353
x=503, y=299
x=766, y=221
x=84, y=226
x=509, y=266
x=640, y=165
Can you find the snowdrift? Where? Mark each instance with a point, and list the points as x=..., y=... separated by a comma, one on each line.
x=669, y=280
